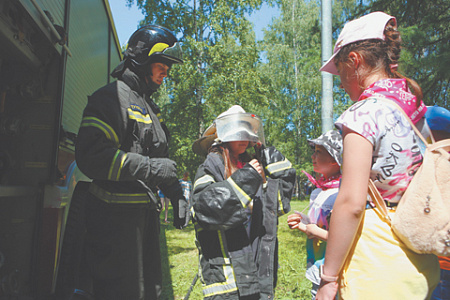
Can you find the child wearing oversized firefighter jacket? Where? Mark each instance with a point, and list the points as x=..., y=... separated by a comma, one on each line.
x=236, y=215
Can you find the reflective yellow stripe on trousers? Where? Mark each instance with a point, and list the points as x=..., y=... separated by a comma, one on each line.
x=230, y=282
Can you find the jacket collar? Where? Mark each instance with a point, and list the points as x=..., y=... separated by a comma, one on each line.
x=214, y=164
x=135, y=82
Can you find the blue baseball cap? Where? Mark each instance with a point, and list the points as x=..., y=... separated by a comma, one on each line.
x=438, y=118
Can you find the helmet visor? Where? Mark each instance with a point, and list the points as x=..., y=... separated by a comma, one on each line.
x=174, y=52
x=171, y=53
x=240, y=127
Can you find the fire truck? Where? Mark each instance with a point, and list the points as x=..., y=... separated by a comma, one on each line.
x=53, y=54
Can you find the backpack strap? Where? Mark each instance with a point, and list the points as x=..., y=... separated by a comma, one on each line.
x=380, y=205
x=442, y=144
x=373, y=191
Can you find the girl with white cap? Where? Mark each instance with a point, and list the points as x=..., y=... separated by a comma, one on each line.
x=364, y=259
x=235, y=214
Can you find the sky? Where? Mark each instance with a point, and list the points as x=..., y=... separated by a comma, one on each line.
x=127, y=19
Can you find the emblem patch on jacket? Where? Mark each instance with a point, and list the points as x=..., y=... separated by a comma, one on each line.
x=135, y=112
x=137, y=108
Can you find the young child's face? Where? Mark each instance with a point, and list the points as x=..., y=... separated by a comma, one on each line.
x=238, y=147
x=323, y=162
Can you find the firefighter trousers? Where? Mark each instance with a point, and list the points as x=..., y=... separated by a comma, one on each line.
x=121, y=251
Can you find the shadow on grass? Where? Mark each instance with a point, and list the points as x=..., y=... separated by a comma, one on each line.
x=169, y=249
x=167, y=289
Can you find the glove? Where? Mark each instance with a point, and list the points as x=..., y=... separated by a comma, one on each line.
x=162, y=170
x=180, y=222
x=271, y=155
x=175, y=193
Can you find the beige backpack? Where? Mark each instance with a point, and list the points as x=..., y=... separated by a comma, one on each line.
x=422, y=217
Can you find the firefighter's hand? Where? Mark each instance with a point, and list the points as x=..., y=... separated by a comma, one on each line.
x=180, y=221
x=162, y=170
x=179, y=212
x=175, y=193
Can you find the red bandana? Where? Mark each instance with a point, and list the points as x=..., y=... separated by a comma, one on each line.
x=398, y=91
x=324, y=184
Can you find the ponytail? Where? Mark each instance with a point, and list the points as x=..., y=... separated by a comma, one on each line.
x=393, y=49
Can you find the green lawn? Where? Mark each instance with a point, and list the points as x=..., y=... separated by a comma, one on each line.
x=180, y=263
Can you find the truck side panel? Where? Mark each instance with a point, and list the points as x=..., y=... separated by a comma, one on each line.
x=42, y=95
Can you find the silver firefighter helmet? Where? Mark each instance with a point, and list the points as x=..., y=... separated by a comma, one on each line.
x=239, y=127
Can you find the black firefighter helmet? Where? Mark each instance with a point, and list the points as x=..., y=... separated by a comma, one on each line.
x=150, y=44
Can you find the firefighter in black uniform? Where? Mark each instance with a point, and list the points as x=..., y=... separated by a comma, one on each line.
x=122, y=145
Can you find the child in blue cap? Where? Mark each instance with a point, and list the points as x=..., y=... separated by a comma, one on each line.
x=438, y=119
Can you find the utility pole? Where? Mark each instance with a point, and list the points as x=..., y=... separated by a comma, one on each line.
x=327, y=78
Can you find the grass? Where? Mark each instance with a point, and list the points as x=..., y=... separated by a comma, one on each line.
x=180, y=261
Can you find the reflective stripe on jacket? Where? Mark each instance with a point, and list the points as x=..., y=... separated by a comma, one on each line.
x=119, y=132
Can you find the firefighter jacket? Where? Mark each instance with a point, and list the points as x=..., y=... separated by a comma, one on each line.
x=120, y=132
x=237, y=245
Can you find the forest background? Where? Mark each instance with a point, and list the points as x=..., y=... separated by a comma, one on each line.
x=278, y=77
